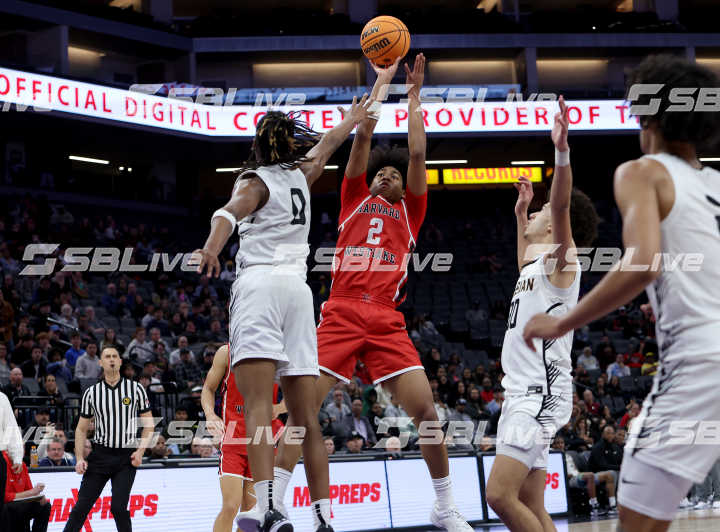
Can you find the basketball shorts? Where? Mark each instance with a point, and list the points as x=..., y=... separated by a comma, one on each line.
x=272, y=316
x=528, y=424
x=678, y=429
x=352, y=329
x=234, y=463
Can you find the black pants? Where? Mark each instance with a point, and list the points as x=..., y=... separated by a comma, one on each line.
x=105, y=464
x=20, y=513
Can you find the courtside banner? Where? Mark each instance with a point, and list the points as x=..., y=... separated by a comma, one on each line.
x=358, y=497
x=555, y=492
x=41, y=92
x=490, y=176
x=161, y=499
x=412, y=493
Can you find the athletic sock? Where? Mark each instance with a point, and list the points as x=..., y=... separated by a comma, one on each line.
x=263, y=493
x=281, y=479
x=613, y=503
x=321, y=512
x=443, y=490
x=594, y=502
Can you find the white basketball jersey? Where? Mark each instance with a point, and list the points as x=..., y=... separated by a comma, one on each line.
x=547, y=369
x=277, y=234
x=686, y=296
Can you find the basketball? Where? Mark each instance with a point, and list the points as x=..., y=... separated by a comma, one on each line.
x=384, y=39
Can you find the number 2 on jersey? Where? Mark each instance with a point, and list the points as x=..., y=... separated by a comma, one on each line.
x=512, y=317
x=376, y=225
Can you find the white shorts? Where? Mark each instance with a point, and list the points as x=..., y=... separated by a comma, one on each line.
x=678, y=429
x=272, y=316
x=528, y=424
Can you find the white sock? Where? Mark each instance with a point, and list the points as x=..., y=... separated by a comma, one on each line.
x=612, y=502
x=594, y=503
x=443, y=490
x=263, y=494
x=281, y=479
x=321, y=512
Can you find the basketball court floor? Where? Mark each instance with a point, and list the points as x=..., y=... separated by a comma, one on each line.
x=686, y=521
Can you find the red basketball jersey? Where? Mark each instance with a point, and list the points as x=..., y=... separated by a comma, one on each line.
x=233, y=413
x=375, y=240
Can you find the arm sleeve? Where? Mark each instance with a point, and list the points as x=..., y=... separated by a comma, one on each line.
x=352, y=192
x=9, y=431
x=143, y=401
x=417, y=207
x=86, y=409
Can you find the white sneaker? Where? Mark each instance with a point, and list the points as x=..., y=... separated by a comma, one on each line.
x=702, y=505
x=450, y=520
x=716, y=505
x=251, y=520
x=685, y=503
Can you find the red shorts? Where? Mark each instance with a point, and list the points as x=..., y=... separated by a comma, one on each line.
x=352, y=330
x=234, y=463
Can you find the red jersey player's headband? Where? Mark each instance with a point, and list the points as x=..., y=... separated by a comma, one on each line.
x=382, y=156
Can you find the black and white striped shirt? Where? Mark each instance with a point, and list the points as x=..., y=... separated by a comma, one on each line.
x=116, y=410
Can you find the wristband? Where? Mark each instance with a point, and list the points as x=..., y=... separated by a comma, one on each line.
x=562, y=158
x=224, y=214
x=374, y=110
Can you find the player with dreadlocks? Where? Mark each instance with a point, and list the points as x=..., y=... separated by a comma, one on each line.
x=379, y=223
x=272, y=325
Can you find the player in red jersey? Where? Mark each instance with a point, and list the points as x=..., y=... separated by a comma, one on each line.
x=236, y=483
x=380, y=219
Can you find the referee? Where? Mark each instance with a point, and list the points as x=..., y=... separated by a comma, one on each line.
x=116, y=404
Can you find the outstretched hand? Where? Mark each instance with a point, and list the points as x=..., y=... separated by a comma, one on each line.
x=525, y=195
x=415, y=77
x=358, y=110
x=559, y=133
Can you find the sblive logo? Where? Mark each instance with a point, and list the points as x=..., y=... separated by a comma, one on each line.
x=681, y=99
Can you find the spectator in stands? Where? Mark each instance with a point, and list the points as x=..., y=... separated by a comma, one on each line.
x=650, y=366
x=58, y=366
x=587, y=359
x=582, y=433
x=441, y=408
x=50, y=390
x=329, y=445
x=354, y=444
x=56, y=455
x=43, y=341
x=4, y=366
x=635, y=358
x=156, y=338
x=337, y=410
x=86, y=332
x=182, y=343
x=97, y=326
x=495, y=405
x=606, y=455
x=476, y=315
x=110, y=301
x=159, y=451
x=459, y=414
x=88, y=365
x=633, y=412
x=15, y=387
x=159, y=323
x=208, y=356
x=22, y=352
x=487, y=393
x=190, y=332
x=377, y=413
x=216, y=334
x=587, y=480
x=75, y=351
x=66, y=317
x=356, y=422
x=7, y=319
x=20, y=513
x=139, y=349
x=201, y=447
x=187, y=373
x=613, y=387
x=110, y=339
x=620, y=435
x=582, y=378
x=592, y=406
x=474, y=407
x=36, y=367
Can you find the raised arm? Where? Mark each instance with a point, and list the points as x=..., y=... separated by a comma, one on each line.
x=560, y=194
x=207, y=398
x=417, y=141
x=636, y=197
x=331, y=141
x=525, y=195
x=360, y=151
x=248, y=195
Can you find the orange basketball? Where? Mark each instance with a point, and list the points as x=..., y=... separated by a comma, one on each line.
x=384, y=39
